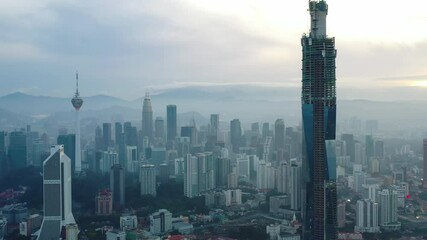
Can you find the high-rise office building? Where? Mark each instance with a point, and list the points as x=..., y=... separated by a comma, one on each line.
x=379, y=149
x=255, y=128
x=109, y=158
x=350, y=145
x=99, y=140
x=295, y=186
x=171, y=121
x=3, y=155
x=147, y=179
x=279, y=134
x=214, y=130
x=17, y=150
x=147, y=118
x=190, y=132
x=369, y=147
x=359, y=181
x=77, y=102
x=159, y=129
x=425, y=164
x=235, y=135
x=69, y=143
x=56, y=194
x=119, y=142
x=117, y=186
x=37, y=153
x=223, y=171
x=265, y=130
x=118, y=133
x=131, y=159
x=341, y=214
x=319, y=123
x=107, y=136
x=3, y=141
x=366, y=216
x=205, y=172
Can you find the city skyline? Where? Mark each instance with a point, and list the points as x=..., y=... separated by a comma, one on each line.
x=152, y=45
x=252, y=126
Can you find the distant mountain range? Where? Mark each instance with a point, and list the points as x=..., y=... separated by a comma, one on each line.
x=250, y=104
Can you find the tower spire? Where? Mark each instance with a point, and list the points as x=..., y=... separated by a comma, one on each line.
x=77, y=84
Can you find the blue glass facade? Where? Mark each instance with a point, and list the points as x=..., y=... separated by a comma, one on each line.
x=319, y=124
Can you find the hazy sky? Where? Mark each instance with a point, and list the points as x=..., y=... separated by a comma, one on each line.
x=121, y=48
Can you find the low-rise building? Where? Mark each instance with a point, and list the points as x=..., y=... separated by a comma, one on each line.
x=273, y=230
x=115, y=235
x=160, y=222
x=128, y=222
x=30, y=225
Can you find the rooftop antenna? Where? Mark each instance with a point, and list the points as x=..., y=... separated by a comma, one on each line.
x=77, y=84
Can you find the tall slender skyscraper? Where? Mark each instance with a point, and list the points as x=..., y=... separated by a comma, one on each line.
x=107, y=136
x=279, y=134
x=77, y=102
x=319, y=121
x=214, y=130
x=117, y=186
x=235, y=135
x=147, y=118
x=171, y=121
x=56, y=194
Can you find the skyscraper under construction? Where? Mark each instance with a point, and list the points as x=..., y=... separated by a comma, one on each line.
x=319, y=120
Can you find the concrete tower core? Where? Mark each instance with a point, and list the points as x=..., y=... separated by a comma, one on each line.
x=77, y=102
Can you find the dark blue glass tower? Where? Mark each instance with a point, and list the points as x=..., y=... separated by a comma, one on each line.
x=319, y=118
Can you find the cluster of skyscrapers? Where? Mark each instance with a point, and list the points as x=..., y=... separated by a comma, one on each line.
x=305, y=164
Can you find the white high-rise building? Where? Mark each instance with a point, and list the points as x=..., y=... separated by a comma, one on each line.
x=233, y=197
x=266, y=176
x=243, y=165
x=388, y=206
x=132, y=159
x=77, y=102
x=359, y=181
x=109, y=158
x=283, y=178
x=367, y=216
x=56, y=194
x=147, y=179
x=179, y=167
x=295, y=187
x=261, y=182
x=372, y=192
x=160, y=222
x=191, y=188
x=359, y=153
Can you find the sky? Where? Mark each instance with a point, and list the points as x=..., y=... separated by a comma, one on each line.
x=123, y=48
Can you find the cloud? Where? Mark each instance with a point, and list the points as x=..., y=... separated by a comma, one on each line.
x=123, y=48
x=416, y=78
